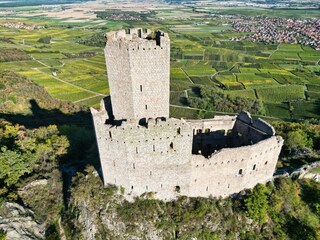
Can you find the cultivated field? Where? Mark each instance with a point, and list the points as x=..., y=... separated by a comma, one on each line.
x=285, y=77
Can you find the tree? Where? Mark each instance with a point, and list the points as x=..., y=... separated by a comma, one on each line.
x=14, y=165
x=24, y=151
x=257, y=203
x=45, y=40
x=298, y=139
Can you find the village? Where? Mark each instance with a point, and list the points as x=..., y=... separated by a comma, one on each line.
x=278, y=30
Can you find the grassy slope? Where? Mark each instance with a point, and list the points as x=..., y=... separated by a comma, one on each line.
x=17, y=93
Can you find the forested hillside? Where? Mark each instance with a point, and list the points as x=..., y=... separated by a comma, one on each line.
x=36, y=165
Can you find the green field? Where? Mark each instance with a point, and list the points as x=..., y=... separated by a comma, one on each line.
x=202, y=54
x=281, y=93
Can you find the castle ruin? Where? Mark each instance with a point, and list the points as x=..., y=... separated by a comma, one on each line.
x=143, y=150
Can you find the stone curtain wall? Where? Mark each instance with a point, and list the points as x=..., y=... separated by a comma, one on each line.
x=158, y=158
x=231, y=170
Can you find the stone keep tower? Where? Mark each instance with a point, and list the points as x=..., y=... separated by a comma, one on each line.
x=138, y=65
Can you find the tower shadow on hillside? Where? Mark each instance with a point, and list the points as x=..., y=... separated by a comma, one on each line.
x=44, y=117
x=77, y=127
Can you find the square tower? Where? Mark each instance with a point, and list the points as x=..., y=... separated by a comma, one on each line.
x=138, y=65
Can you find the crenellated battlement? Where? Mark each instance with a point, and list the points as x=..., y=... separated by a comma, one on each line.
x=138, y=39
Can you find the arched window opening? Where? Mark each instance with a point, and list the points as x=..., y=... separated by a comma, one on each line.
x=178, y=131
x=254, y=167
x=171, y=145
x=240, y=172
x=177, y=189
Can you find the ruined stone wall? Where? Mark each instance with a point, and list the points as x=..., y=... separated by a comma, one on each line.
x=138, y=73
x=252, y=131
x=211, y=134
x=143, y=159
x=158, y=158
x=231, y=170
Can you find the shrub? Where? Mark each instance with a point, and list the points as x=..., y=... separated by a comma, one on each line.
x=45, y=40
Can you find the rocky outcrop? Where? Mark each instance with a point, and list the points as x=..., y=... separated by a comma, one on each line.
x=93, y=214
x=18, y=223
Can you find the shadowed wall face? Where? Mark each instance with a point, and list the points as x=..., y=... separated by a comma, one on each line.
x=139, y=73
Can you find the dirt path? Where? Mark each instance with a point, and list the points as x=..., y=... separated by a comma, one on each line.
x=274, y=50
x=61, y=230
x=84, y=99
x=186, y=75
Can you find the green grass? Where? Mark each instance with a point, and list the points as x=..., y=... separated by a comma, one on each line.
x=202, y=80
x=178, y=98
x=249, y=70
x=313, y=95
x=242, y=93
x=200, y=69
x=93, y=102
x=177, y=73
x=310, y=109
x=186, y=113
x=281, y=93
x=313, y=87
x=253, y=80
x=280, y=110
x=180, y=84
x=55, y=88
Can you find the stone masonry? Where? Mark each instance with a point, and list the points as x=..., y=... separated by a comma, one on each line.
x=143, y=150
x=139, y=73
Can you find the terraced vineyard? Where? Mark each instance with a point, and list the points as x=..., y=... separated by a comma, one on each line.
x=69, y=71
x=284, y=77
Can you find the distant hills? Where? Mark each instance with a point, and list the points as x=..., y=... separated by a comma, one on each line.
x=21, y=3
